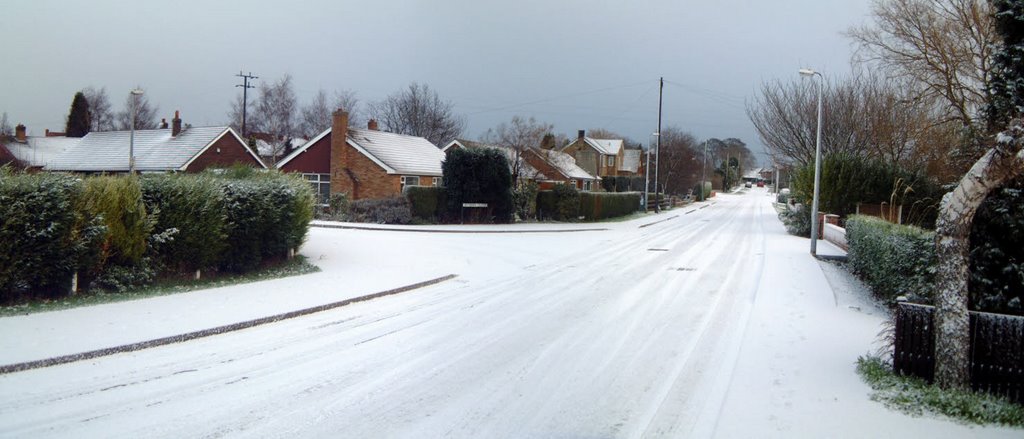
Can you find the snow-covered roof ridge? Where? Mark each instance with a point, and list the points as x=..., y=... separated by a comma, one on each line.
x=40, y=151
x=154, y=150
x=408, y=155
x=605, y=146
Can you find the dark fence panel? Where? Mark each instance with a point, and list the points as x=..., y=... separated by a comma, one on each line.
x=997, y=349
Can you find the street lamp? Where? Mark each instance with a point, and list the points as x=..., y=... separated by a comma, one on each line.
x=135, y=93
x=817, y=165
x=704, y=171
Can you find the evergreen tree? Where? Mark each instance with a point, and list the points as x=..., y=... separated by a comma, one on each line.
x=78, y=119
x=1007, y=85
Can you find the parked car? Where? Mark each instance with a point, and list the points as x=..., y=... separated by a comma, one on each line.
x=747, y=184
x=760, y=184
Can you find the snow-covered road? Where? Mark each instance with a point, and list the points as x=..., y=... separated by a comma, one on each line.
x=629, y=332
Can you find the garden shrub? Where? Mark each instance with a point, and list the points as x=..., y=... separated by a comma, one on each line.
x=600, y=205
x=337, y=208
x=524, y=198
x=894, y=260
x=395, y=210
x=797, y=220
x=44, y=235
x=705, y=186
x=427, y=203
x=118, y=200
x=192, y=209
x=479, y=176
x=608, y=184
x=560, y=204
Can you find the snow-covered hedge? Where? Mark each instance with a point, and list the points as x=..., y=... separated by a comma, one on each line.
x=428, y=203
x=116, y=232
x=560, y=204
x=600, y=205
x=393, y=210
x=44, y=234
x=895, y=260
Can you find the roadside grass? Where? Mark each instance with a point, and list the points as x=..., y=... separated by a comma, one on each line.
x=295, y=267
x=916, y=397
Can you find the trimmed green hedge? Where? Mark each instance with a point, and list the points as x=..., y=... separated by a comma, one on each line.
x=479, y=176
x=394, y=210
x=894, y=260
x=560, y=204
x=597, y=205
x=190, y=208
x=427, y=203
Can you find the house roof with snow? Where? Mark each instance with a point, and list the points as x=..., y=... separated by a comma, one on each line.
x=395, y=153
x=266, y=149
x=154, y=150
x=40, y=151
x=605, y=146
x=565, y=164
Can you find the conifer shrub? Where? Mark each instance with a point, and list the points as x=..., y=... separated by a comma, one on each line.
x=524, y=197
x=894, y=260
x=44, y=235
x=479, y=176
x=193, y=213
x=601, y=205
x=117, y=202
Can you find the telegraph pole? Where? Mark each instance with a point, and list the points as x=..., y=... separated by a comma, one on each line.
x=245, y=95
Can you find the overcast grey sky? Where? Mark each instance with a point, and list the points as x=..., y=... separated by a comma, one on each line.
x=576, y=64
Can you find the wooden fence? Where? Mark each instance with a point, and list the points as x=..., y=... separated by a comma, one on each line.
x=997, y=349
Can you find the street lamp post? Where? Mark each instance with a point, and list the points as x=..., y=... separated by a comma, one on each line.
x=657, y=159
x=135, y=93
x=704, y=171
x=817, y=164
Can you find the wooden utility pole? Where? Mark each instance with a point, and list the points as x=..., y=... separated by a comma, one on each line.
x=245, y=95
x=657, y=158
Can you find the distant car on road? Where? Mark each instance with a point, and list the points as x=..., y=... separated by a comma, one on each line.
x=747, y=184
x=760, y=184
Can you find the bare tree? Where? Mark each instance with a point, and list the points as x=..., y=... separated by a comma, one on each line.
x=101, y=113
x=316, y=116
x=275, y=115
x=678, y=167
x=943, y=47
x=145, y=114
x=235, y=114
x=418, y=111
x=517, y=137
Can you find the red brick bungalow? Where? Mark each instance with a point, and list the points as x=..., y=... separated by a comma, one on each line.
x=174, y=149
x=364, y=163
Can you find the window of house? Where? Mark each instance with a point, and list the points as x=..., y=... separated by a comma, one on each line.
x=586, y=185
x=408, y=180
x=610, y=162
x=321, y=184
x=437, y=181
x=572, y=183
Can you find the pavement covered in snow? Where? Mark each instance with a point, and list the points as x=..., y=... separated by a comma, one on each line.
x=711, y=323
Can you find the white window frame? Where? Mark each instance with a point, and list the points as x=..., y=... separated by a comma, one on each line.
x=405, y=181
x=610, y=161
x=321, y=184
x=436, y=181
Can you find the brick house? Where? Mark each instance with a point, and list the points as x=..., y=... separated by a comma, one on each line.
x=604, y=157
x=173, y=149
x=364, y=163
x=544, y=167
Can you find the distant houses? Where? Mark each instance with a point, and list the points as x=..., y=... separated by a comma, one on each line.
x=604, y=157
x=544, y=167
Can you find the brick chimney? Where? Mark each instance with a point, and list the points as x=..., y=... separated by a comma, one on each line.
x=339, y=161
x=372, y=125
x=19, y=133
x=176, y=124
x=582, y=134
x=163, y=124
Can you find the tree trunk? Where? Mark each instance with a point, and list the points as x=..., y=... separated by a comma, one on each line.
x=953, y=228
